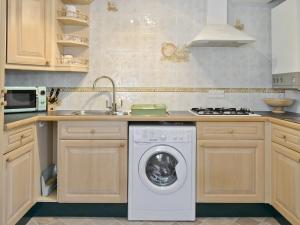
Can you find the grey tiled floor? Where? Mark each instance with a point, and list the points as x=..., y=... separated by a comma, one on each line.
x=123, y=221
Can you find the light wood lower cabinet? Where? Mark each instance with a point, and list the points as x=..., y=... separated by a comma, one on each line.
x=92, y=171
x=230, y=171
x=18, y=186
x=286, y=182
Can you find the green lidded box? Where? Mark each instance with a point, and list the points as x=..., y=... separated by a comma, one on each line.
x=149, y=109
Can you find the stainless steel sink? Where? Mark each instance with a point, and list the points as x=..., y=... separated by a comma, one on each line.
x=97, y=113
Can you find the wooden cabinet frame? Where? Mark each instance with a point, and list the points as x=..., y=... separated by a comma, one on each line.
x=2, y=76
x=19, y=185
x=230, y=171
x=86, y=182
x=286, y=182
x=21, y=47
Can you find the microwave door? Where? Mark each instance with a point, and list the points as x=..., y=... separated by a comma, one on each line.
x=21, y=101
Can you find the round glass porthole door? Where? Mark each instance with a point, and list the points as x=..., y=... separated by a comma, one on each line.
x=163, y=169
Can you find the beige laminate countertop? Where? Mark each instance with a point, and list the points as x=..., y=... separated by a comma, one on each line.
x=20, y=119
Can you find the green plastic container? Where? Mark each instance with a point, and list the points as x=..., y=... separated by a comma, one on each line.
x=149, y=109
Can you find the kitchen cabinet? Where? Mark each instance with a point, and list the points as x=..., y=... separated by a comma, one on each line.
x=286, y=172
x=286, y=182
x=92, y=162
x=28, y=32
x=230, y=171
x=2, y=74
x=18, y=183
x=230, y=162
x=286, y=38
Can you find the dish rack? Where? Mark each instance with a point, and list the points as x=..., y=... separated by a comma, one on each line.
x=72, y=38
x=63, y=61
x=73, y=14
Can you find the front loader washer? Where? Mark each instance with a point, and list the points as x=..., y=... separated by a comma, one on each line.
x=161, y=175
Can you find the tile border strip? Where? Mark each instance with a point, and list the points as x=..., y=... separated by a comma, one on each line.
x=171, y=89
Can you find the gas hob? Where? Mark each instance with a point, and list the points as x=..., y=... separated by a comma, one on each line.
x=222, y=112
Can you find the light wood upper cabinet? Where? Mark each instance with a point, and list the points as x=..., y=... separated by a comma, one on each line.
x=285, y=38
x=18, y=177
x=28, y=24
x=92, y=171
x=230, y=171
x=286, y=182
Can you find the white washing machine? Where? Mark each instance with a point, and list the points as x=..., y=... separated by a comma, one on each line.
x=162, y=159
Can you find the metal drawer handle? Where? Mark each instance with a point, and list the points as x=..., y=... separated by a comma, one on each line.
x=93, y=131
x=284, y=137
x=122, y=145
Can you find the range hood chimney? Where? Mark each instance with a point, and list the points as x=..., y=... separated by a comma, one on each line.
x=217, y=32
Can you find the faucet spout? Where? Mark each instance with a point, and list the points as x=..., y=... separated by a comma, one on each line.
x=114, y=104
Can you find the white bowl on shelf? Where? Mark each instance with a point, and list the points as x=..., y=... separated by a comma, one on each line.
x=278, y=104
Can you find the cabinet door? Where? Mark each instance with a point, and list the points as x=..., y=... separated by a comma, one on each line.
x=27, y=32
x=286, y=182
x=2, y=63
x=230, y=171
x=18, y=173
x=92, y=171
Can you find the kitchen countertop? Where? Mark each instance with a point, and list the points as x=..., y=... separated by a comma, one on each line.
x=20, y=119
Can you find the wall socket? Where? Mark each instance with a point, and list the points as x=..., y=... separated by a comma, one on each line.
x=216, y=93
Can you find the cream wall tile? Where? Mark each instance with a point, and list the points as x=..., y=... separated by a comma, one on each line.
x=126, y=45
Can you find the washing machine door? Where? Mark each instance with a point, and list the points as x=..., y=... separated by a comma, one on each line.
x=163, y=169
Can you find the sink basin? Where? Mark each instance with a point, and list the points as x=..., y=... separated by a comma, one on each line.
x=97, y=113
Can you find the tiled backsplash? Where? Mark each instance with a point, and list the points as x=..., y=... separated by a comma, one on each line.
x=126, y=45
x=294, y=95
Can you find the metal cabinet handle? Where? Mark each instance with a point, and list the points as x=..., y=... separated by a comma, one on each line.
x=284, y=137
x=93, y=131
x=47, y=63
x=3, y=103
x=122, y=145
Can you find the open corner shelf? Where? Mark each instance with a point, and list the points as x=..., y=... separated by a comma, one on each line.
x=72, y=21
x=79, y=2
x=66, y=43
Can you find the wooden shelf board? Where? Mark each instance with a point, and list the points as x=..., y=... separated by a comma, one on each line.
x=79, y=2
x=60, y=68
x=72, y=68
x=51, y=198
x=72, y=44
x=72, y=21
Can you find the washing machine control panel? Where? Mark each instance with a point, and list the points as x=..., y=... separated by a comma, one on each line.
x=159, y=135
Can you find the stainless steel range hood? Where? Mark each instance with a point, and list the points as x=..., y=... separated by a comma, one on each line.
x=217, y=33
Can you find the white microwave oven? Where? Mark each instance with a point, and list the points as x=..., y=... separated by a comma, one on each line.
x=25, y=99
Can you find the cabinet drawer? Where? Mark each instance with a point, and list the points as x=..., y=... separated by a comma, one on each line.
x=230, y=130
x=19, y=137
x=89, y=130
x=287, y=137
